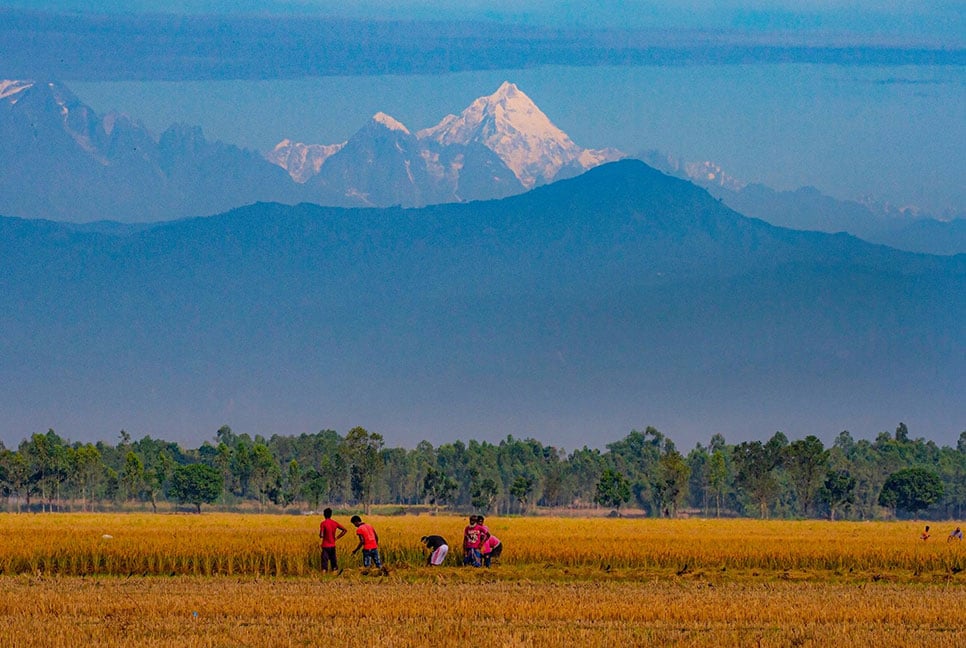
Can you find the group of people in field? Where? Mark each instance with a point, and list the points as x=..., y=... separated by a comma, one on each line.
x=331, y=531
x=480, y=546
x=956, y=535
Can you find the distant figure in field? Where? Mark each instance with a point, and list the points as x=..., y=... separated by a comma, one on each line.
x=472, y=542
x=925, y=534
x=330, y=531
x=492, y=548
x=438, y=548
x=957, y=534
x=369, y=543
x=484, y=534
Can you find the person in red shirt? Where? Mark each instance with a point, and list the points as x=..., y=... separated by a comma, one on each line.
x=369, y=543
x=330, y=531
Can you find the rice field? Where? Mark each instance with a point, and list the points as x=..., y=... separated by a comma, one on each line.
x=250, y=580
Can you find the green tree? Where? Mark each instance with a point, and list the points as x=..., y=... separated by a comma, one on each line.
x=47, y=458
x=16, y=476
x=911, y=489
x=837, y=491
x=520, y=489
x=132, y=476
x=613, y=489
x=88, y=472
x=362, y=450
x=718, y=477
x=754, y=472
x=438, y=488
x=484, y=493
x=265, y=473
x=196, y=484
x=806, y=463
x=671, y=481
x=314, y=487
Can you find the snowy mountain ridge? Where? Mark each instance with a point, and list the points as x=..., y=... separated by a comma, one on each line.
x=507, y=122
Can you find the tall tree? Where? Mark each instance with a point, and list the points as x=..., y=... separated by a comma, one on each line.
x=613, y=489
x=89, y=472
x=132, y=477
x=837, y=491
x=718, y=477
x=754, y=473
x=362, y=450
x=806, y=462
x=438, y=488
x=911, y=489
x=196, y=484
x=484, y=494
x=520, y=489
x=671, y=482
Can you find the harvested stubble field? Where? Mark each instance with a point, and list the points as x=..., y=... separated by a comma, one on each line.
x=235, y=580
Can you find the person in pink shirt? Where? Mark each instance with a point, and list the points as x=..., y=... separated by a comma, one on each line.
x=491, y=549
x=330, y=531
x=487, y=542
x=472, y=540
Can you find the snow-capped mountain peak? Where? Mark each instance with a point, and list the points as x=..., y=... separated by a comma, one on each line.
x=389, y=122
x=10, y=87
x=511, y=125
x=507, y=122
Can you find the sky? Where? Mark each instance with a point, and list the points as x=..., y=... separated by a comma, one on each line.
x=892, y=133
x=932, y=20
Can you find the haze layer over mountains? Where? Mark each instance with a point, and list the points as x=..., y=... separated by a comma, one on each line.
x=614, y=300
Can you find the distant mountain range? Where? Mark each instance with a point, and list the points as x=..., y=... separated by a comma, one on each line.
x=575, y=311
x=68, y=163
x=809, y=209
x=500, y=145
x=65, y=162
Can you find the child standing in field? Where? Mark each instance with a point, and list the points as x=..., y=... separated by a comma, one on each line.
x=369, y=543
x=472, y=542
x=925, y=534
x=330, y=531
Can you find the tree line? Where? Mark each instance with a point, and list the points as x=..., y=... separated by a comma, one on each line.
x=892, y=475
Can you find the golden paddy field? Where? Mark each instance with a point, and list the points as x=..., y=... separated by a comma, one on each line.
x=253, y=580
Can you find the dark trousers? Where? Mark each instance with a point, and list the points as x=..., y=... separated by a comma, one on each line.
x=494, y=553
x=328, y=556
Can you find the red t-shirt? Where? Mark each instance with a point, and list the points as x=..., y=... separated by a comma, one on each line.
x=368, y=535
x=328, y=529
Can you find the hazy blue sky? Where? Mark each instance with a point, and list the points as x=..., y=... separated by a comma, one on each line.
x=933, y=20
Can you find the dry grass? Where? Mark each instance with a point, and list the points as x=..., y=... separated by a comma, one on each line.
x=438, y=610
x=252, y=545
x=234, y=580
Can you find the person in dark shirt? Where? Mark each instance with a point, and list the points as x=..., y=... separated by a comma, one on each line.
x=438, y=548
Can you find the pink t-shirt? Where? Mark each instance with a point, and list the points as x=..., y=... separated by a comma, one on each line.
x=473, y=536
x=490, y=543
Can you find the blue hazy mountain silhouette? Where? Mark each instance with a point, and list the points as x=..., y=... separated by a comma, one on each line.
x=573, y=313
